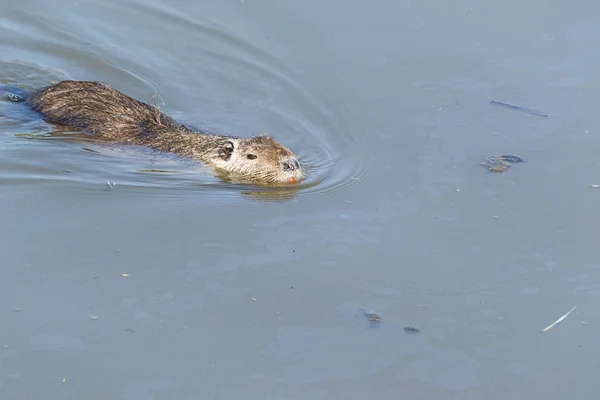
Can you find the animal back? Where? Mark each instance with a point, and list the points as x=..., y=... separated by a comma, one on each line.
x=95, y=108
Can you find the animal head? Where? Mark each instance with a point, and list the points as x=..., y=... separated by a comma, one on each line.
x=260, y=158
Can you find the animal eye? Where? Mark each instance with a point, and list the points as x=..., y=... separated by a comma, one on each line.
x=251, y=156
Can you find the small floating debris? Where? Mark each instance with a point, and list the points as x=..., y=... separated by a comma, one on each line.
x=412, y=330
x=511, y=158
x=372, y=316
x=125, y=275
x=17, y=309
x=110, y=184
x=253, y=299
x=595, y=186
x=93, y=317
x=513, y=107
x=499, y=166
x=501, y=162
x=552, y=325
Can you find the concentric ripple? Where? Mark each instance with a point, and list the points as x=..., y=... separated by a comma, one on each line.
x=236, y=84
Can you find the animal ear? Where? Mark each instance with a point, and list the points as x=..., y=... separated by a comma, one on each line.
x=226, y=150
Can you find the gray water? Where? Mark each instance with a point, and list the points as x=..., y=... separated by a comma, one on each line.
x=118, y=283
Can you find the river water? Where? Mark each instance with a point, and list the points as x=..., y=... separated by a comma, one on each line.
x=121, y=282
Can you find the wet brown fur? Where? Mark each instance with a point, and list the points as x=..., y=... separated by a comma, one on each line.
x=109, y=115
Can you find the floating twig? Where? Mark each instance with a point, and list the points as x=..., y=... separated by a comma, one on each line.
x=559, y=320
x=528, y=110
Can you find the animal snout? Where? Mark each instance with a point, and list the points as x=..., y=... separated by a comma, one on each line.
x=290, y=165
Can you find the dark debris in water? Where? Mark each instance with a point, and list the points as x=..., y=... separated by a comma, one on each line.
x=413, y=330
x=511, y=158
x=514, y=107
x=501, y=162
x=90, y=150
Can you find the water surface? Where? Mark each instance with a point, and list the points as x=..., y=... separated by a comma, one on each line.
x=118, y=283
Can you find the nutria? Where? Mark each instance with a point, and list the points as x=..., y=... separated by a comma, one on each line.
x=109, y=115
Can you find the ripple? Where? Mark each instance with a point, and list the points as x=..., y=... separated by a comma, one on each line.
x=27, y=74
x=264, y=92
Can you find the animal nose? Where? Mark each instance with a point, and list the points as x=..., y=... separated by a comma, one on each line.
x=290, y=165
